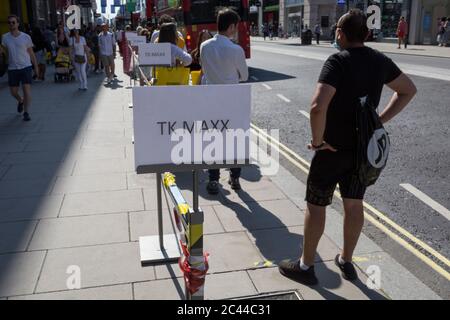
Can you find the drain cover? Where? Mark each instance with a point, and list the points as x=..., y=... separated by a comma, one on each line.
x=290, y=295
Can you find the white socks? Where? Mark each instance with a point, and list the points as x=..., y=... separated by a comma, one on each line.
x=341, y=261
x=303, y=266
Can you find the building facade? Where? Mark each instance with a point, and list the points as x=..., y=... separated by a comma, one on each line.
x=422, y=16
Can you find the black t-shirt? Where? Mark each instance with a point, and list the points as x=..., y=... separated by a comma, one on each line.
x=356, y=72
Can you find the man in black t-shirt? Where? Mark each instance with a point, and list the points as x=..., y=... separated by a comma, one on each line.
x=355, y=72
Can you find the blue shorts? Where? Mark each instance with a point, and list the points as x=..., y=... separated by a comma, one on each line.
x=16, y=77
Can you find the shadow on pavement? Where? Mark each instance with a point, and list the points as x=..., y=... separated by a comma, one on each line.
x=34, y=153
x=273, y=239
x=265, y=75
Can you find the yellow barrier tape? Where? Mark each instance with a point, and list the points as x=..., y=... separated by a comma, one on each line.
x=194, y=234
x=183, y=208
x=168, y=179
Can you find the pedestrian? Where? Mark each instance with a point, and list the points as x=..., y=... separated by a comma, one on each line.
x=168, y=34
x=265, y=31
x=402, y=32
x=447, y=32
x=79, y=53
x=202, y=37
x=61, y=36
x=223, y=62
x=333, y=33
x=441, y=36
x=168, y=19
x=40, y=48
x=356, y=72
x=107, y=46
x=317, y=32
x=21, y=60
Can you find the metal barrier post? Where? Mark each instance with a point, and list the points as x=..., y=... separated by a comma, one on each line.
x=194, y=263
x=162, y=248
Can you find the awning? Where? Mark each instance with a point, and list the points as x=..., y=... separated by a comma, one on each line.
x=294, y=14
x=273, y=8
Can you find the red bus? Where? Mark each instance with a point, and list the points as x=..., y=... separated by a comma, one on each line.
x=193, y=16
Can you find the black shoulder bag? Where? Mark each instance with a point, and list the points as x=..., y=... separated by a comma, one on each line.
x=373, y=142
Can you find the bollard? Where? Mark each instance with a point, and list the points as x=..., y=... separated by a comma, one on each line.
x=194, y=263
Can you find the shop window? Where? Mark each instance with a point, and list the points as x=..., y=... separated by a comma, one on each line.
x=325, y=21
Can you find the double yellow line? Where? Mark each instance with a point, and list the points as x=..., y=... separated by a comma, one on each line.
x=389, y=227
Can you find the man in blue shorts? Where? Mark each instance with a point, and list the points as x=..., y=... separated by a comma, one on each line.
x=20, y=53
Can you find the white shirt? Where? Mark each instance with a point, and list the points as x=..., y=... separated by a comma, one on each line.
x=78, y=47
x=223, y=62
x=19, y=58
x=181, y=55
x=106, y=43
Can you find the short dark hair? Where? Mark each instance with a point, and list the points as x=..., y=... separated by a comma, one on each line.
x=354, y=25
x=15, y=17
x=226, y=18
x=165, y=18
x=168, y=33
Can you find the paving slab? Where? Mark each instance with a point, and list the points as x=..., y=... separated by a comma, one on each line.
x=95, y=167
x=99, y=266
x=168, y=289
x=217, y=286
x=97, y=153
x=331, y=286
x=62, y=145
x=102, y=202
x=278, y=244
x=35, y=157
x=39, y=171
x=3, y=170
x=25, y=188
x=32, y=208
x=15, y=236
x=19, y=272
x=13, y=146
x=230, y=252
x=259, y=215
x=262, y=190
x=118, y=292
x=393, y=278
x=150, y=199
x=65, y=232
x=141, y=181
x=91, y=183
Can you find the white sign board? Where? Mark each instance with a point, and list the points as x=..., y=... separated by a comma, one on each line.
x=155, y=54
x=201, y=126
x=137, y=40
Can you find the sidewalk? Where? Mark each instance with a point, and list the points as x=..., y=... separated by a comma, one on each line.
x=416, y=50
x=70, y=200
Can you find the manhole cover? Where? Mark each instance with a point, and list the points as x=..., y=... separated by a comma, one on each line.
x=290, y=295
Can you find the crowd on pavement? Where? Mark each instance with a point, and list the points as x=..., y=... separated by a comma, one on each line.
x=347, y=83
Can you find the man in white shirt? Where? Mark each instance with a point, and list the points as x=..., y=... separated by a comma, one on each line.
x=107, y=46
x=223, y=62
x=20, y=52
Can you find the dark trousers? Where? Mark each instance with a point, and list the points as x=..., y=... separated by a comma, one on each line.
x=317, y=37
x=214, y=174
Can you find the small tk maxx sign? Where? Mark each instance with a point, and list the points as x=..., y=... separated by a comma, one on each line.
x=155, y=54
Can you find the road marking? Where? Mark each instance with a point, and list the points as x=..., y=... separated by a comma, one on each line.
x=283, y=98
x=304, y=166
x=266, y=86
x=254, y=78
x=306, y=114
x=427, y=200
x=415, y=70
